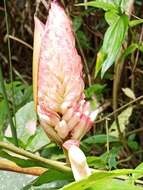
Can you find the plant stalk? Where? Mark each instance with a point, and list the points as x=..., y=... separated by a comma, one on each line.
x=13, y=129
x=37, y=171
x=50, y=163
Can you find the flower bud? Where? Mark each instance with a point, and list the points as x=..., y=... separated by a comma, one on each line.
x=58, y=85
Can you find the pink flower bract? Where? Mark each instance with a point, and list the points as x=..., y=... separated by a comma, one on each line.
x=58, y=85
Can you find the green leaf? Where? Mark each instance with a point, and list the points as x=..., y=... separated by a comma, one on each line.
x=123, y=119
x=138, y=175
x=51, y=175
x=111, y=17
x=50, y=179
x=135, y=22
x=100, y=139
x=94, y=90
x=129, y=50
x=112, y=43
x=128, y=92
x=84, y=41
x=114, y=184
x=31, y=138
x=96, y=162
x=140, y=47
x=77, y=22
x=22, y=93
x=111, y=157
x=53, y=152
x=105, y=5
x=38, y=141
x=54, y=185
x=98, y=178
x=133, y=145
x=3, y=115
x=13, y=180
x=25, y=123
x=101, y=57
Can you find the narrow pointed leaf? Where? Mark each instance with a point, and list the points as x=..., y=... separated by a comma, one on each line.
x=135, y=22
x=129, y=50
x=128, y=92
x=112, y=43
x=101, y=4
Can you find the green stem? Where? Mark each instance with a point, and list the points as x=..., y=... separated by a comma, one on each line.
x=13, y=129
x=11, y=76
x=66, y=155
x=50, y=163
x=107, y=133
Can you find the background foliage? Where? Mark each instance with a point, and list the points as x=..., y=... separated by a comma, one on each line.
x=110, y=44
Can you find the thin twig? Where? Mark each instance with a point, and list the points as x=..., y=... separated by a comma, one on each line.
x=19, y=76
x=136, y=16
x=134, y=131
x=137, y=54
x=84, y=60
x=119, y=109
x=135, y=62
x=107, y=134
x=20, y=41
x=46, y=4
x=1, y=9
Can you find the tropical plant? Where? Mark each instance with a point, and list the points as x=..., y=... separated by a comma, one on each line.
x=50, y=137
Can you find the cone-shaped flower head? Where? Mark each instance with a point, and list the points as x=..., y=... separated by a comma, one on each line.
x=58, y=83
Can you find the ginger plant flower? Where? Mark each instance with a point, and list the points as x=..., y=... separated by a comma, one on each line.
x=58, y=84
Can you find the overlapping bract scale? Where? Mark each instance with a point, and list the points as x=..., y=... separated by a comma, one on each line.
x=60, y=98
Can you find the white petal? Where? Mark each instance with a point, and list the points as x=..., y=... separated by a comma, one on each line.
x=78, y=163
x=62, y=129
